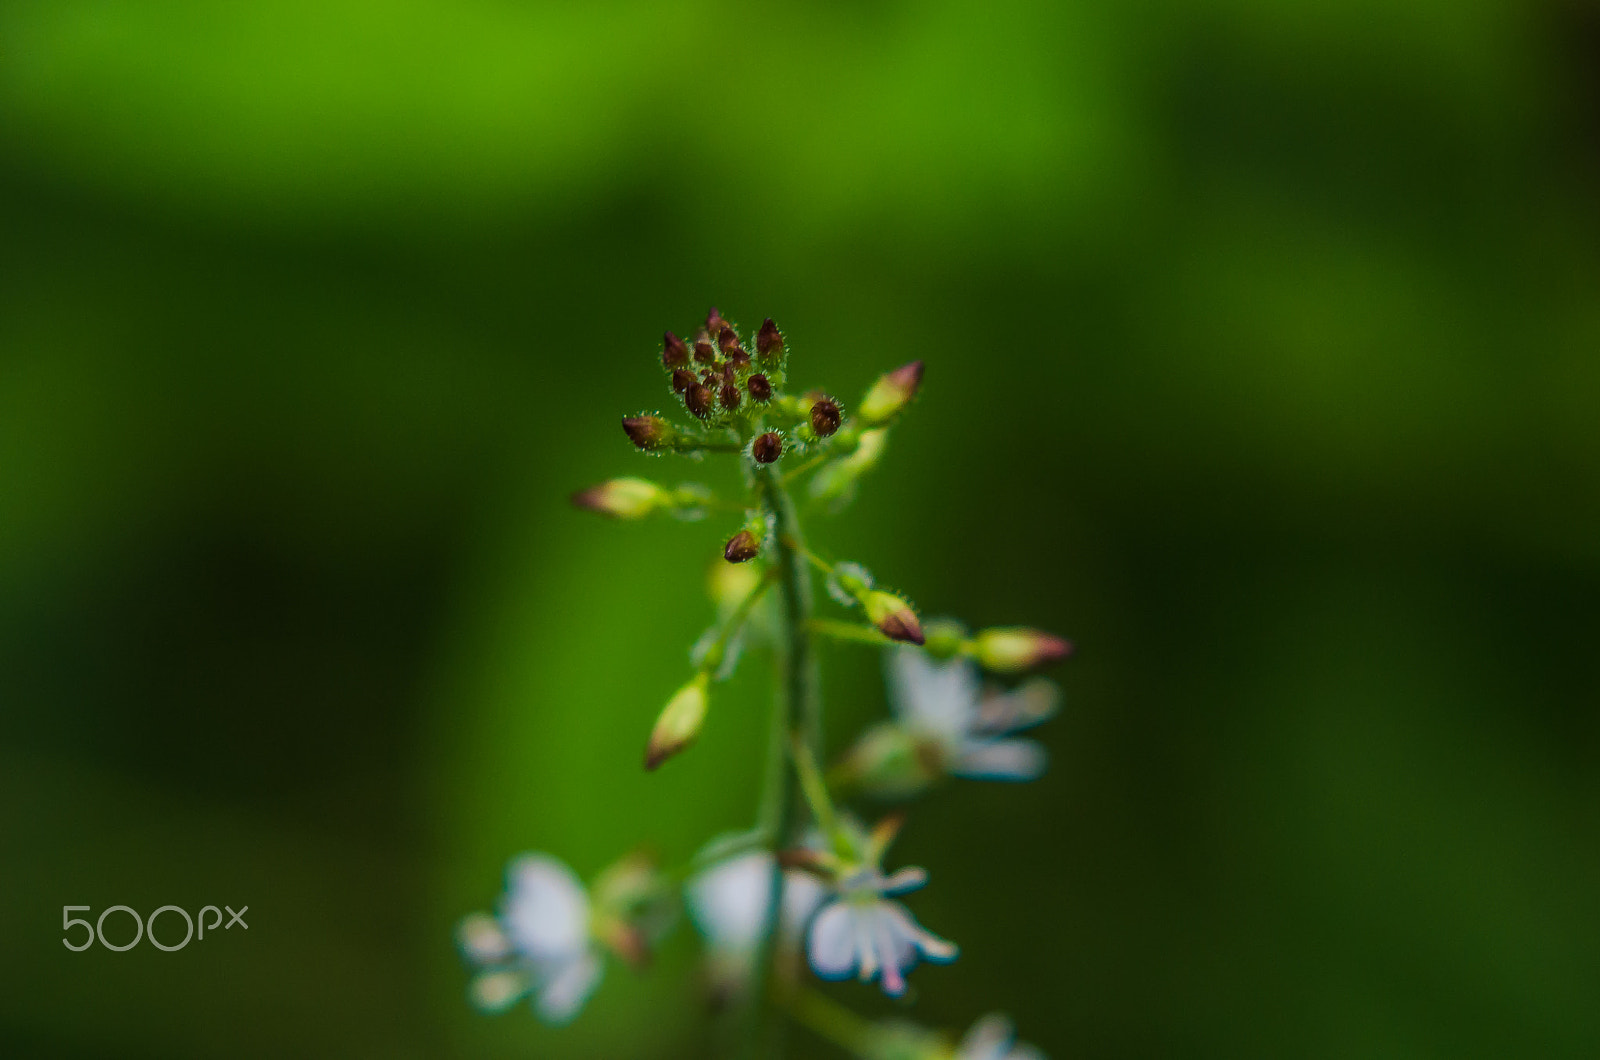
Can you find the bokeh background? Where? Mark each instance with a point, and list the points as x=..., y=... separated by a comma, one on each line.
x=1263, y=359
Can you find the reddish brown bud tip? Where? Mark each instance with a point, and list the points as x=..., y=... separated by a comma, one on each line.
x=729, y=395
x=760, y=389
x=727, y=339
x=647, y=432
x=704, y=353
x=1017, y=649
x=893, y=617
x=825, y=417
x=741, y=547
x=682, y=379
x=891, y=393
x=697, y=399
x=712, y=376
x=769, y=342
x=728, y=371
x=673, y=352
x=714, y=322
x=767, y=448
x=738, y=356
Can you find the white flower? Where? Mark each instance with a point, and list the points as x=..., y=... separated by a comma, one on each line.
x=956, y=728
x=861, y=931
x=992, y=1038
x=541, y=943
x=729, y=902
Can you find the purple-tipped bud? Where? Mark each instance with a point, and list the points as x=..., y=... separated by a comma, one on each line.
x=674, y=353
x=679, y=722
x=729, y=396
x=623, y=498
x=760, y=389
x=697, y=399
x=769, y=341
x=682, y=379
x=741, y=547
x=893, y=616
x=714, y=322
x=704, y=353
x=767, y=447
x=647, y=432
x=1017, y=649
x=825, y=417
x=891, y=393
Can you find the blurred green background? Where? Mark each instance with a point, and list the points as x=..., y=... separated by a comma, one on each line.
x=1263, y=359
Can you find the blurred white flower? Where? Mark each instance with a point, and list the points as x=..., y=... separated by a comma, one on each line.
x=993, y=1038
x=549, y=939
x=946, y=724
x=728, y=901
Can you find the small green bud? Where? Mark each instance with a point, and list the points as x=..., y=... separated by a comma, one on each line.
x=945, y=638
x=760, y=388
x=891, y=393
x=679, y=722
x=741, y=547
x=623, y=498
x=889, y=761
x=825, y=416
x=674, y=354
x=648, y=432
x=767, y=447
x=837, y=479
x=729, y=584
x=1017, y=649
x=893, y=616
x=769, y=340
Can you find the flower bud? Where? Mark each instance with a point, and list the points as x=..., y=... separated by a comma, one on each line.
x=825, y=417
x=760, y=388
x=893, y=616
x=727, y=339
x=647, y=432
x=945, y=638
x=703, y=353
x=1017, y=649
x=767, y=447
x=714, y=322
x=679, y=722
x=769, y=341
x=738, y=357
x=889, y=761
x=697, y=399
x=891, y=393
x=682, y=379
x=729, y=396
x=623, y=498
x=674, y=353
x=741, y=547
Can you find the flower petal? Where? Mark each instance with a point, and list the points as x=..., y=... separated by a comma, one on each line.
x=563, y=994
x=729, y=900
x=497, y=991
x=920, y=939
x=1015, y=760
x=988, y=1039
x=904, y=881
x=831, y=943
x=1032, y=702
x=481, y=939
x=940, y=698
x=545, y=909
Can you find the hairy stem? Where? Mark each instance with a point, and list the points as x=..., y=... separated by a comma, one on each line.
x=796, y=716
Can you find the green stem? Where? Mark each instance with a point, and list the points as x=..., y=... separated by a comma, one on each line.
x=833, y=1021
x=796, y=716
x=855, y=632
